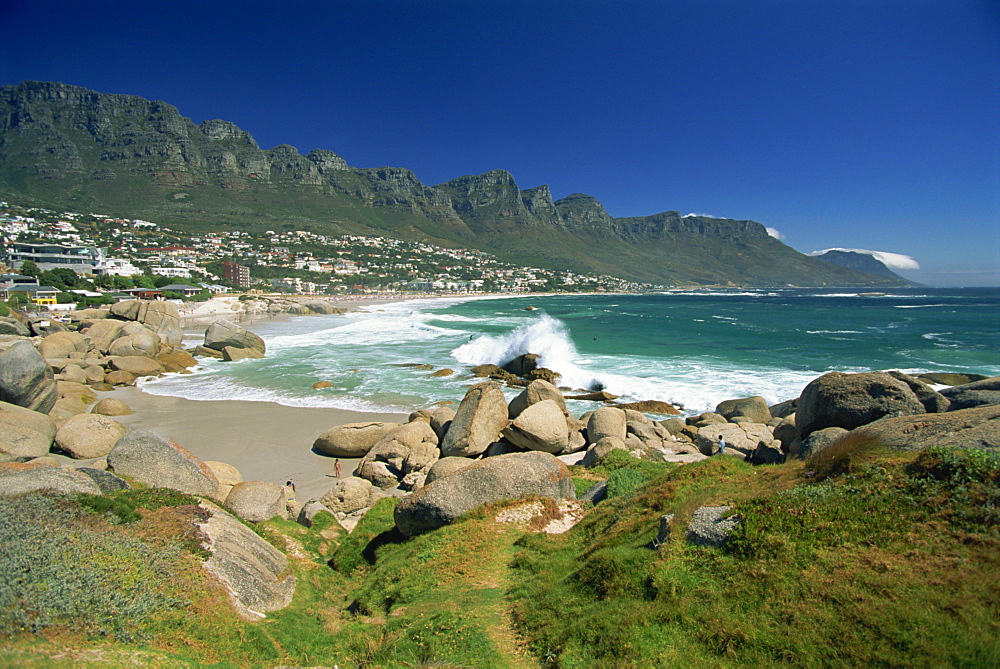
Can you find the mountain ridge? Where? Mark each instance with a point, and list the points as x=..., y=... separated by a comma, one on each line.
x=64, y=145
x=862, y=262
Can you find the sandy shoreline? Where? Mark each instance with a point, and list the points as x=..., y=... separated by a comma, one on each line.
x=263, y=440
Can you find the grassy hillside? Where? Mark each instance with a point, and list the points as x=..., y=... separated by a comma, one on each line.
x=857, y=558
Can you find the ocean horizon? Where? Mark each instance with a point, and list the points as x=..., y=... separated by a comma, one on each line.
x=691, y=348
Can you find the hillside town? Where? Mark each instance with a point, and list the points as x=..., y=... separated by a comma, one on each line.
x=114, y=258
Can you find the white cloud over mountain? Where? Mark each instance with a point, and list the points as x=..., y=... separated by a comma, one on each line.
x=775, y=232
x=890, y=260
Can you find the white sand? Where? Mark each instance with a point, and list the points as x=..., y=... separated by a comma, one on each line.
x=263, y=440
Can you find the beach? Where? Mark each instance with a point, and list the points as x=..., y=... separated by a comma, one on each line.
x=265, y=441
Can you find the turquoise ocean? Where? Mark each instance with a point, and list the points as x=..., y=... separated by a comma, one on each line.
x=694, y=349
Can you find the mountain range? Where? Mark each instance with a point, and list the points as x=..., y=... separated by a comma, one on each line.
x=63, y=146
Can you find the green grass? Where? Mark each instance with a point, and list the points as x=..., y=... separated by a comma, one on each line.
x=890, y=564
x=871, y=559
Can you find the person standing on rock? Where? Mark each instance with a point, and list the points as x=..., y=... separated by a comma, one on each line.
x=722, y=445
x=336, y=467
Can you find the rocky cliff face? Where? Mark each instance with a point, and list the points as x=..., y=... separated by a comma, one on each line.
x=63, y=145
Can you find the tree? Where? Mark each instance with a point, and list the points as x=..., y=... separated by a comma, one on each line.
x=60, y=277
x=105, y=281
x=29, y=268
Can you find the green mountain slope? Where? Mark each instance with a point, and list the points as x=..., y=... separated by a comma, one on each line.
x=69, y=147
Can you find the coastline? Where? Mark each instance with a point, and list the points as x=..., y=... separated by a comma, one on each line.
x=265, y=441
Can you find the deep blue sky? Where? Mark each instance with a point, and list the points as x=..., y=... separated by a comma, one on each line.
x=857, y=124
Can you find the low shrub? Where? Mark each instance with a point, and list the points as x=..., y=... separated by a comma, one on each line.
x=957, y=466
x=122, y=505
x=619, y=571
x=623, y=481
x=62, y=568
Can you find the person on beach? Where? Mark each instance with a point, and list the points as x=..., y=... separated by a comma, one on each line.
x=290, y=485
x=336, y=467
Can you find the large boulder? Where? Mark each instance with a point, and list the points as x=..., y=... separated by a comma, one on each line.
x=145, y=343
x=18, y=480
x=321, y=307
x=106, y=481
x=73, y=373
x=386, y=463
x=741, y=439
x=176, y=360
x=119, y=378
x=72, y=405
x=103, y=333
x=446, y=466
x=441, y=420
x=110, y=406
x=540, y=427
x=19, y=441
x=224, y=334
x=12, y=414
x=978, y=427
x=820, y=440
x=257, y=501
x=351, y=440
x=227, y=475
x=25, y=433
x=977, y=393
x=755, y=408
x=522, y=365
x=233, y=354
x=853, y=400
x=159, y=316
x=421, y=458
x=933, y=401
x=598, y=450
x=148, y=457
x=537, y=391
x=349, y=495
x=136, y=365
x=25, y=379
x=480, y=418
x=88, y=315
x=94, y=374
x=89, y=435
x=651, y=406
x=61, y=344
x=513, y=476
x=607, y=422
x=254, y=572
x=13, y=327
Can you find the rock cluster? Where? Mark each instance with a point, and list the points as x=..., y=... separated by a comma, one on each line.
x=484, y=451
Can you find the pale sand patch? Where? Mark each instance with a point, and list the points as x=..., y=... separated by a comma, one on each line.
x=570, y=513
x=263, y=440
